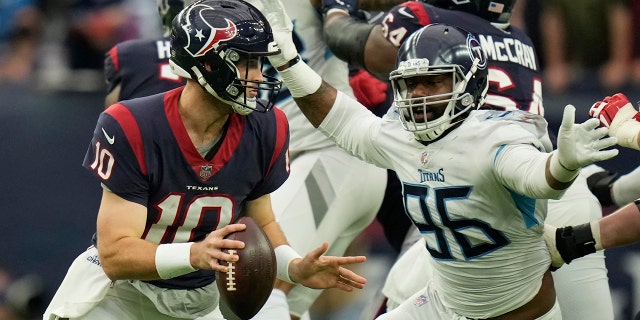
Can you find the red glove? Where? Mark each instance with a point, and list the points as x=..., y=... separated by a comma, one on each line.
x=608, y=109
x=368, y=90
x=622, y=119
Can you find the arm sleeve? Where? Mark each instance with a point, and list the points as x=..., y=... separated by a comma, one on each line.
x=522, y=168
x=355, y=128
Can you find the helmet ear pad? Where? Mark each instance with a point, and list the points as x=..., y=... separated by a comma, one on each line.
x=220, y=75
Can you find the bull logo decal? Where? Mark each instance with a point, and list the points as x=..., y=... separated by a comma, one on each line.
x=206, y=36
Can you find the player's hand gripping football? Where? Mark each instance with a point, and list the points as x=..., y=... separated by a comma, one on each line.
x=282, y=28
x=321, y=272
x=580, y=144
x=622, y=119
x=206, y=253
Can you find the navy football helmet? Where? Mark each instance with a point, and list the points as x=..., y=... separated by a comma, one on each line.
x=168, y=9
x=210, y=38
x=498, y=12
x=439, y=49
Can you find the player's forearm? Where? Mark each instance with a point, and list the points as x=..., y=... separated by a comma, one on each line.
x=316, y=106
x=621, y=227
x=128, y=258
x=346, y=37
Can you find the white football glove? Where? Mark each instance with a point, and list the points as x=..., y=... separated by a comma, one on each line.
x=579, y=145
x=282, y=28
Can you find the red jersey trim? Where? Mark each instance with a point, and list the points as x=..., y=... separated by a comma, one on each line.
x=114, y=57
x=191, y=154
x=419, y=11
x=131, y=130
x=282, y=127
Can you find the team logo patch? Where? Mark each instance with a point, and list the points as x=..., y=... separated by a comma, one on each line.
x=476, y=51
x=422, y=299
x=205, y=172
x=206, y=36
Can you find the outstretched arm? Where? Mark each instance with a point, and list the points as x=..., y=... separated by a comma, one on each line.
x=615, y=230
x=578, y=145
x=314, y=270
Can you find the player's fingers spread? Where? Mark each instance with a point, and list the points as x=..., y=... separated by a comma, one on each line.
x=601, y=132
x=352, y=277
x=606, y=154
x=343, y=286
x=319, y=251
x=605, y=143
x=351, y=260
x=590, y=124
x=569, y=115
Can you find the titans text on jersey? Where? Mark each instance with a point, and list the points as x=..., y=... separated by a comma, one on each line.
x=431, y=176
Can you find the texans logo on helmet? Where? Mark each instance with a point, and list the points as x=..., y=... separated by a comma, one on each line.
x=207, y=36
x=476, y=51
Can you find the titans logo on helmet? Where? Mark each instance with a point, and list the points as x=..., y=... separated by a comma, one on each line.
x=206, y=36
x=476, y=51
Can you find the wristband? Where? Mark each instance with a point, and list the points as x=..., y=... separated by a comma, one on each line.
x=173, y=260
x=559, y=171
x=627, y=134
x=595, y=232
x=577, y=241
x=284, y=255
x=301, y=79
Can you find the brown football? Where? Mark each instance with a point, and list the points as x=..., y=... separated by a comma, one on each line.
x=248, y=284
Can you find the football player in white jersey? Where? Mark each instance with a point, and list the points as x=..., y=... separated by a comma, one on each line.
x=514, y=84
x=330, y=196
x=469, y=186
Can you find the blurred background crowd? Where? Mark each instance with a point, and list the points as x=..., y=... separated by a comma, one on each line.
x=52, y=89
x=60, y=45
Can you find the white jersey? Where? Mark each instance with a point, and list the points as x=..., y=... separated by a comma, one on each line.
x=473, y=196
x=308, y=37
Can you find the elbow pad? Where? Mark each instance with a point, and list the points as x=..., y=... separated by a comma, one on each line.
x=600, y=185
x=346, y=38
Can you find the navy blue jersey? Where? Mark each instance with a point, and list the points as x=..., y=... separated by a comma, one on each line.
x=141, y=68
x=142, y=152
x=514, y=72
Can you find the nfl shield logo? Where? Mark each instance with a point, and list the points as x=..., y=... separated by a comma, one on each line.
x=205, y=172
x=422, y=299
x=424, y=158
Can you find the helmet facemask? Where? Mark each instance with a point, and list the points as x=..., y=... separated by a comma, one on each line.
x=413, y=110
x=233, y=68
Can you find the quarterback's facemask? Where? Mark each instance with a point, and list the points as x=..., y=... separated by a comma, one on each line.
x=439, y=49
x=209, y=38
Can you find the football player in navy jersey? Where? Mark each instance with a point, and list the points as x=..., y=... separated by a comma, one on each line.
x=178, y=168
x=481, y=221
x=140, y=67
x=514, y=84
